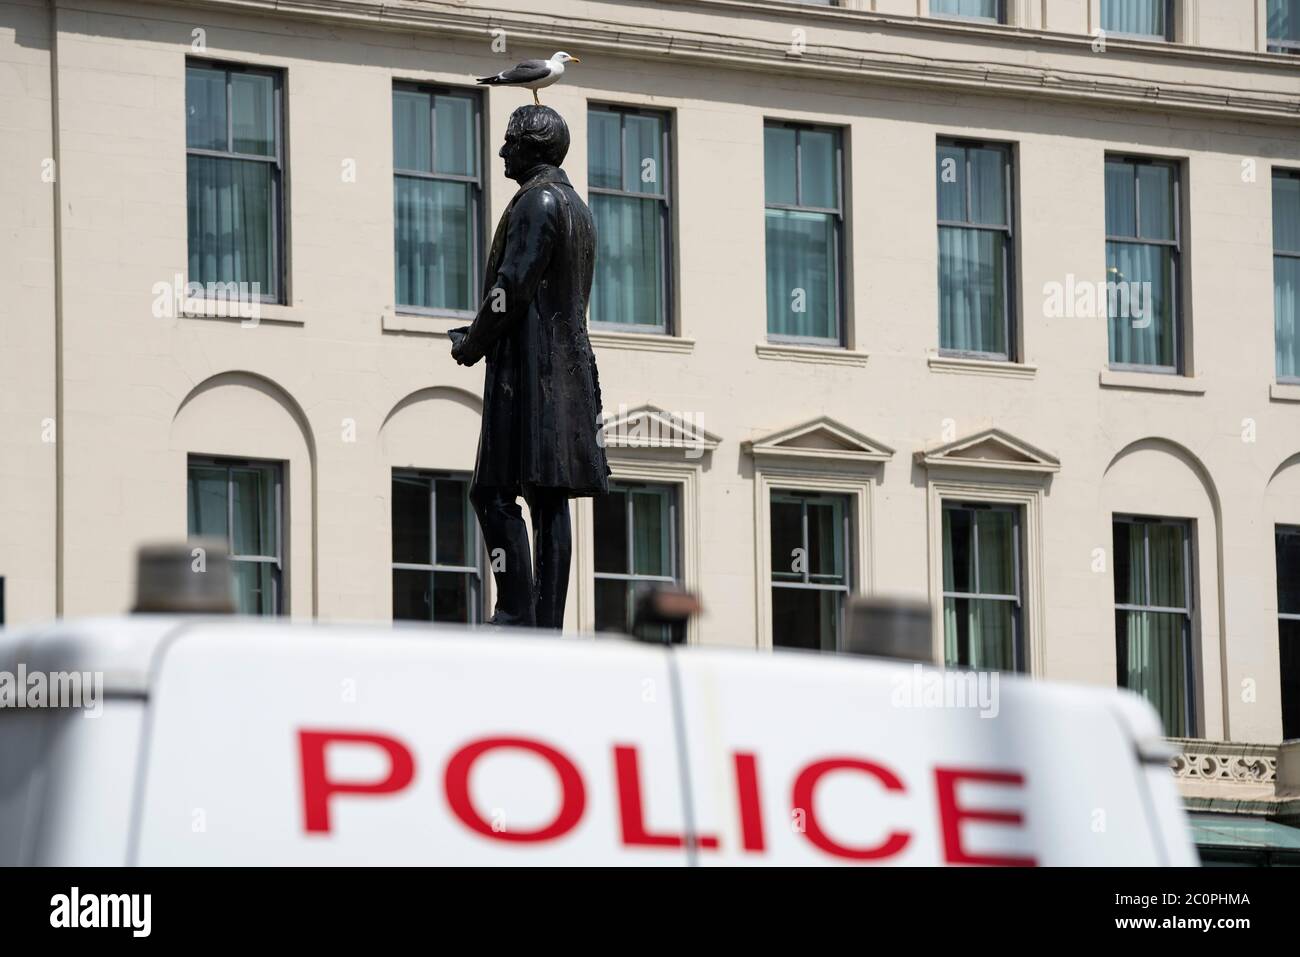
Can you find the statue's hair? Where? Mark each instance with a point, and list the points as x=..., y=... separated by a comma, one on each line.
x=543, y=130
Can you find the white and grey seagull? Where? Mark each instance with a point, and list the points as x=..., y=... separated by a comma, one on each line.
x=532, y=74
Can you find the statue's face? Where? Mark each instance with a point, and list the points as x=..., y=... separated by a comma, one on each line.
x=516, y=154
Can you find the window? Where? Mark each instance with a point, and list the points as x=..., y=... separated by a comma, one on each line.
x=810, y=569
x=1288, y=627
x=804, y=226
x=982, y=588
x=1153, y=616
x=635, y=538
x=437, y=194
x=437, y=569
x=1286, y=273
x=241, y=502
x=976, y=257
x=1143, y=264
x=1150, y=19
x=993, y=10
x=1284, y=26
x=627, y=176
x=234, y=159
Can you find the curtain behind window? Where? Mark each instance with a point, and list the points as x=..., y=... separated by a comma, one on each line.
x=1140, y=17
x=986, y=9
x=1286, y=274
x=800, y=274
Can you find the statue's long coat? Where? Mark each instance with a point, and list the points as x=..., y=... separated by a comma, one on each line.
x=541, y=392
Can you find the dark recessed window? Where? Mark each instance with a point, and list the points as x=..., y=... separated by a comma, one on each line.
x=437, y=556
x=982, y=603
x=635, y=535
x=1288, y=626
x=810, y=556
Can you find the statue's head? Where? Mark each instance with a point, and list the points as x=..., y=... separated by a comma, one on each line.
x=535, y=134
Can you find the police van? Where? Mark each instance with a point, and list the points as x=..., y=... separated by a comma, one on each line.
x=224, y=740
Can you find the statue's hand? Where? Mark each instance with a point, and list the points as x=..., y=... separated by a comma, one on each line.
x=457, y=337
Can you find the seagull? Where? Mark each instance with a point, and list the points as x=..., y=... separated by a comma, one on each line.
x=532, y=74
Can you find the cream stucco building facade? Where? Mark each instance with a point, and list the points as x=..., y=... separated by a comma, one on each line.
x=105, y=397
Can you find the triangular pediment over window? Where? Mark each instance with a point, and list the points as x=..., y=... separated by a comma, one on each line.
x=991, y=449
x=649, y=427
x=820, y=440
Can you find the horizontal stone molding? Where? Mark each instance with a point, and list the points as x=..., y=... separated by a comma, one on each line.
x=981, y=71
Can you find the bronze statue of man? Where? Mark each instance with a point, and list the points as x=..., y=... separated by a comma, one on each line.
x=541, y=393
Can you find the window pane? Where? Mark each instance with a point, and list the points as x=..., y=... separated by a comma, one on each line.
x=997, y=552
x=1156, y=194
x=411, y=595
x=779, y=165
x=1165, y=543
x=609, y=518
x=806, y=618
x=643, y=173
x=1130, y=564
x=972, y=284
x=253, y=511
x=252, y=104
x=604, y=150
x=826, y=546
x=1153, y=662
x=255, y=592
x=453, y=596
x=434, y=227
x=454, y=142
x=230, y=221
x=817, y=169
x=1289, y=661
x=411, y=137
x=1140, y=304
x=983, y=9
x=455, y=528
x=205, y=108
x=612, y=605
x=950, y=176
x=651, y=533
x=1139, y=17
x=1121, y=199
x=1286, y=312
x=1288, y=571
x=1286, y=214
x=802, y=274
x=988, y=187
x=208, y=513
x=1284, y=20
x=628, y=285
x=979, y=633
x=787, y=540
x=958, y=555
x=411, y=520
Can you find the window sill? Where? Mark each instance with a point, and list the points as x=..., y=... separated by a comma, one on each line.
x=1151, y=382
x=423, y=324
x=992, y=367
x=1284, y=391
x=268, y=313
x=639, y=341
x=816, y=354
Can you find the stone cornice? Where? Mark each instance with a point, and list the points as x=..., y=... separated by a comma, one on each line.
x=834, y=62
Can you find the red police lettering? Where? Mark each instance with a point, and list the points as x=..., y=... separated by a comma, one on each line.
x=750, y=807
x=805, y=786
x=631, y=813
x=317, y=787
x=573, y=800
x=951, y=816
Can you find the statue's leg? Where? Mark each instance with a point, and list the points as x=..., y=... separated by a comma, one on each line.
x=552, y=552
x=506, y=537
